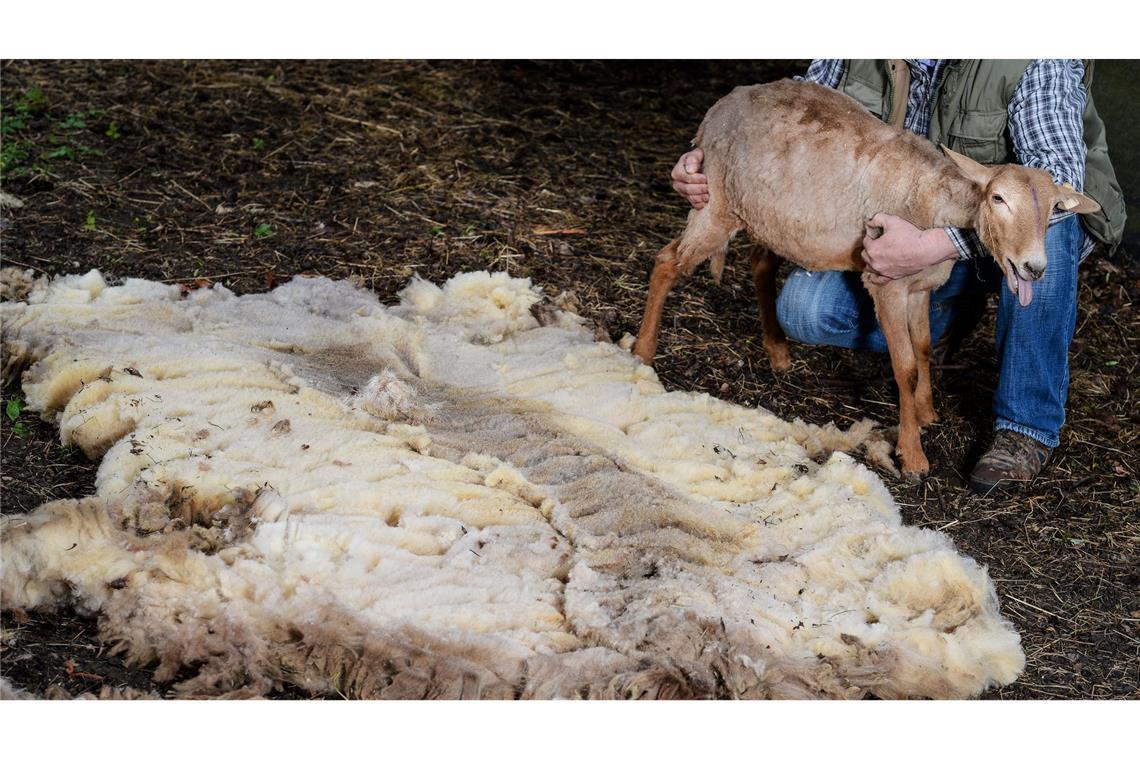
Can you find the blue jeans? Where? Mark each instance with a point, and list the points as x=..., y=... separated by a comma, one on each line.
x=834, y=309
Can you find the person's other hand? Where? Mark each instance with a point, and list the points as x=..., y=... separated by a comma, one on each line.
x=903, y=249
x=688, y=181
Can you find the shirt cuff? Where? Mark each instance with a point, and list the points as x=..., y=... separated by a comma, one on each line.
x=967, y=243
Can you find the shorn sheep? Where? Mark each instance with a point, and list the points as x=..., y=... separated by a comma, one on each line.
x=465, y=495
x=801, y=169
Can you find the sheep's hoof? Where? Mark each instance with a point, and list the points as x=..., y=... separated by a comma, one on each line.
x=778, y=358
x=914, y=477
x=927, y=417
x=644, y=353
x=914, y=468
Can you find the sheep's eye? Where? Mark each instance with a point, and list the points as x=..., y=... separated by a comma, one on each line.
x=998, y=199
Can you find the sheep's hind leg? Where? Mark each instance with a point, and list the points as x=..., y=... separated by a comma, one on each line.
x=891, y=308
x=665, y=275
x=918, y=322
x=706, y=236
x=765, y=266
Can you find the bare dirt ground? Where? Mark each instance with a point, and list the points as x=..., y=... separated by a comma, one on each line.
x=247, y=173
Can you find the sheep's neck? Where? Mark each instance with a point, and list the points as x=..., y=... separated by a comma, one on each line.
x=958, y=203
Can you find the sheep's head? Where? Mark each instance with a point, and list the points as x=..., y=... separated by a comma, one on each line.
x=1016, y=203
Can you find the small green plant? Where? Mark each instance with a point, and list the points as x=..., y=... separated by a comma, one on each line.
x=16, y=116
x=89, y=225
x=63, y=151
x=33, y=101
x=12, y=154
x=11, y=123
x=14, y=119
x=74, y=121
x=12, y=411
x=258, y=143
x=263, y=231
x=62, y=135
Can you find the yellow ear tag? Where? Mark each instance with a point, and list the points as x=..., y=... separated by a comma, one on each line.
x=1068, y=203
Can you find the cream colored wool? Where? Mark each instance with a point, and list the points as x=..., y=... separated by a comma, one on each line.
x=447, y=499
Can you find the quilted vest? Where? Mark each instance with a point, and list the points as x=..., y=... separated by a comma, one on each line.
x=970, y=113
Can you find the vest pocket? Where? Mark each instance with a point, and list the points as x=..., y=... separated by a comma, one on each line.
x=980, y=135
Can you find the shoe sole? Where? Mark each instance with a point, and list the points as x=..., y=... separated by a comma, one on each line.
x=981, y=488
x=986, y=488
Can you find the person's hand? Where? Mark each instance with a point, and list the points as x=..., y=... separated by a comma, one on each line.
x=903, y=249
x=688, y=181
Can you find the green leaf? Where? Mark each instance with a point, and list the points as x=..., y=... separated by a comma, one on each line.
x=32, y=102
x=262, y=231
x=258, y=143
x=12, y=153
x=74, y=121
x=20, y=430
x=10, y=124
x=113, y=130
x=63, y=151
x=89, y=225
x=13, y=408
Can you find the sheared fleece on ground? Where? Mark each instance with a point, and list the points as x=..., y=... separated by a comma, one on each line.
x=464, y=495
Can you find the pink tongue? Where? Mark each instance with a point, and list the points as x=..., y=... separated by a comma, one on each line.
x=1024, y=290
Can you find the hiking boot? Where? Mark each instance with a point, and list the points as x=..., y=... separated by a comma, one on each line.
x=1012, y=461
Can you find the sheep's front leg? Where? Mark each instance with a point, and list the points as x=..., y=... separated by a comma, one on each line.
x=665, y=274
x=891, y=303
x=765, y=266
x=918, y=319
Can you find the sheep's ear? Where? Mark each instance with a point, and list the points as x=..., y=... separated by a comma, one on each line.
x=970, y=168
x=1068, y=199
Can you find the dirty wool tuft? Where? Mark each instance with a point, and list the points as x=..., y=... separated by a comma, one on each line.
x=462, y=495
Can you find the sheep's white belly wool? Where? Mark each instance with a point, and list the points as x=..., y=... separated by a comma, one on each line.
x=451, y=497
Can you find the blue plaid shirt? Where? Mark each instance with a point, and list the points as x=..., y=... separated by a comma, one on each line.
x=1046, y=123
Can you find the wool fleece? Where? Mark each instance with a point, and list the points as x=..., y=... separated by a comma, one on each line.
x=463, y=495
